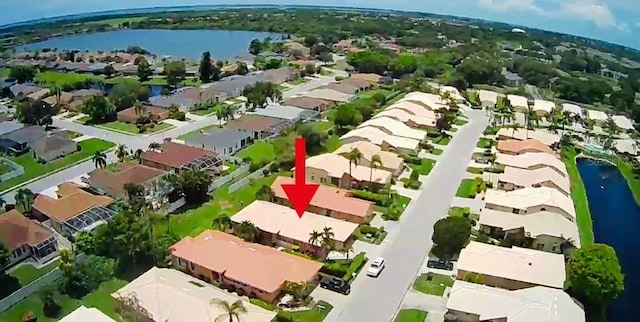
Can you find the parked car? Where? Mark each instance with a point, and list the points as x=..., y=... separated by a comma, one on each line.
x=376, y=267
x=440, y=264
x=336, y=284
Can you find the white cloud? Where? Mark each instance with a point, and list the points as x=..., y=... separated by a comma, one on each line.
x=591, y=10
x=510, y=5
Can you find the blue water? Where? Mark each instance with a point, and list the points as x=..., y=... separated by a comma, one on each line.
x=616, y=222
x=154, y=90
x=223, y=44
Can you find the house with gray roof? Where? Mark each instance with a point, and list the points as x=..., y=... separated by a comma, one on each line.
x=234, y=85
x=52, y=147
x=18, y=141
x=24, y=89
x=290, y=113
x=184, y=104
x=224, y=141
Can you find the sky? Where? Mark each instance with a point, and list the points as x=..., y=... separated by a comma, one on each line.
x=616, y=21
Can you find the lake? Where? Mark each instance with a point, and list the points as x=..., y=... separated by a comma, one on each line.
x=223, y=44
x=616, y=222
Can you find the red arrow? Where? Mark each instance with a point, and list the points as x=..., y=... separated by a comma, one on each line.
x=300, y=193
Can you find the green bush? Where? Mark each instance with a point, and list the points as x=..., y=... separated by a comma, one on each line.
x=333, y=268
x=366, y=229
x=483, y=238
x=414, y=175
x=411, y=159
x=370, y=196
x=392, y=214
x=274, y=167
x=355, y=266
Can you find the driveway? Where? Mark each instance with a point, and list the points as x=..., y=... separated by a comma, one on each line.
x=377, y=300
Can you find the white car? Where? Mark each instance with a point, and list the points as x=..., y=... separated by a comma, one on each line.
x=376, y=267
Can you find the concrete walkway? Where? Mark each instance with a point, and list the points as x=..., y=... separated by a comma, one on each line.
x=425, y=302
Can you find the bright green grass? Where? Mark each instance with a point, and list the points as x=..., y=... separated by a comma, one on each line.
x=411, y=315
x=485, y=143
x=129, y=128
x=258, y=151
x=579, y=197
x=298, y=81
x=467, y=189
x=442, y=140
x=424, y=168
x=435, y=286
x=28, y=273
x=458, y=211
x=333, y=143
x=64, y=80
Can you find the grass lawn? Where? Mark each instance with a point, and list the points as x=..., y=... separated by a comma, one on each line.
x=129, y=128
x=425, y=168
x=442, y=140
x=325, y=72
x=579, y=197
x=435, y=286
x=298, y=81
x=411, y=315
x=475, y=170
x=83, y=120
x=460, y=121
x=436, y=151
x=33, y=169
x=28, y=273
x=192, y=81
x=369, y=94
x=5, y=72
x=210, y=110
x=467, y=189
x=322, y=126
x=458, y=211
x=314, y=315
x=258, y=151
x=63, y=80
x=485, y=143
x=4, y=167
x=333, y=143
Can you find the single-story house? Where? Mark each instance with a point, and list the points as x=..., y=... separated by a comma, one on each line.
x=174, y=157
x=83, y=93
x=407, y=118
x=18, y=141
x=626, y=146
x=369, y=77
x=233, y=85
x=279, y=225
x=337, y=170
x=515, y=147
x=329, y=201
x=545, y=230
x=532, y=161
x=290, y=114
x=512, y=268
x=52, y=147
x=518, y=103
x=362, y=85
x=382, y=139
x=24, y=89
x=310, y=103
x=280, y=75
x=111, y=182
x=8, y=124
x=25, y=238
x=389, y=161
x=413, y=109
x=224, y=141
x=73, y=209
x=600, y=118
x=512, y=79
x=427, y=100
x=543, y=108
x=39, y=94
x=64, y=98
x=229, y=262
x=530, y=200
x=343, y=88
x=622, y=122
x=330, y=95
x=516, y=178
x=200, y=94
x=471, y=302
x=154, y=113
x=166, y=102
x=84, y=313
x=392, y=126
x=259, y=126
x=548, y=138
x=488, y=98
x=169, y=295
x=572, y=109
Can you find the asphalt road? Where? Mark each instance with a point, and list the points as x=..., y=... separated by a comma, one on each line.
x=377, y=300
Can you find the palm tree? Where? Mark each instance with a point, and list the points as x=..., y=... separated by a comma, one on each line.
x=222, y=222
x=376, y=162
x=231, y=312
x=138, y=154
x=514, y=127
x=24, y=199
x=247, y=231
x=122, y=152
x=327, y=237
x=354, y=157
x=154, y=145
x=315, y=238
x=100, y=159
x=220, y=114
x=139, y=109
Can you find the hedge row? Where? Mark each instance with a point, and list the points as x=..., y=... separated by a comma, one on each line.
x=355, y=266
x=370, y=196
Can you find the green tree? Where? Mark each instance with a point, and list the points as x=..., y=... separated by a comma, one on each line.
x=25, y=199
x=369, y=61
x=247, y=231
x=347, y=115
x=450, y=234
x=314, y=139
x=99, y=109
x=154, y=145
x=84, y=243
x=5, y=257
x=206, y=68
x=109, y=71
x=354, y=156
x=176, y=71
x=265, y=193
x=121, y=152
x=22, y=73
x=375, y=163
x=50, y=306
x=35, y=113
x=231, y=312
x=222, y=222
x=193, y=185
x=79, y=279
x=594, y=275
x=144, y=70
x=125, y=93
x=99, y=159
x=255, y=47
x=135, y=194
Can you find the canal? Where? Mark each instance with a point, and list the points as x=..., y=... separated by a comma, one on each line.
x=616, y=222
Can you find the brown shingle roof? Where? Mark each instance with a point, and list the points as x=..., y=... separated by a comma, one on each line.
x=518, y=146
x=342, y=87
x=252, y=122
x=112, y=182
x=16, y=230
x=175, y=155
x=309, y=103
x=199, y=94
x=71, y=201
x=65, y=98
x=371, y=78
x=356, y=82
x=131, y=111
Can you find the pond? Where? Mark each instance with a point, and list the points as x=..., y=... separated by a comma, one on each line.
x=616, y=222
x=223, y=44
x=154, y=90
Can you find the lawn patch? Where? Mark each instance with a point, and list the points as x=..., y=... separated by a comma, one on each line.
x=442, y=140
x=298, y=81
x=370, y=234
x=433, y=284
x=26, y=273
x=424, y=168
x=411, y=315
x=65, y=81
x=579, y=197
x=322, y=126
x=460, y=121
x=459, y=211
x=333, y=143
x=258, y=152
x=130, y=128
x=485, y=143
x=83, y=120
x=467, y=188
x=436, y=151
x=475, y=170
x=315, y=314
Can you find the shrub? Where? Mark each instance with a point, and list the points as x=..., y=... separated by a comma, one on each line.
x=335, y=269
x=370, y=196
x=366, y=229
x=414, y=175
x=50, y=306
x=411, y=159
x=355, y=266
x=274, y=167
x=265, y=172
x=392, y=214
x=483, y=238
x=339, y=78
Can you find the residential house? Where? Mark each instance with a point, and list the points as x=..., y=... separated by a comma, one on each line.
x=233, y=85
x=290, y=114
x=52, y=147
x=394, y=127
x=280, y=75
x=543, y=108
x=413, y=109
x=25, y=238
x=112, y=181
x=572, y=109
x=600, y=118
x=471, y=302
x=310, y=103
x=548, y=138
x=532, y=161
x=622, y=122
x=512, y=79
x=512, y=268
x=361, y=84
x=174, y=157
x=60, y=99
x=201, y=95
x=84, y=93
x=515, y=147
x=329, y=201
x=72, y=209
x=229, y=262
x=343, y=88
x=169, y=295
x=154, y=113
x=279, y=225
x=626, y=146
x=545, y=231
x=337, y=170
x=84, y=313
x=8, y=124
x=488, y=99
x=518, y=103
x=516, y=178
x=183, y=104
x=407, y=118
x=330, y=95
x=389, y=161
x=18, y=141
x=426, y=100
x=368, y=77
x=531, y=200
x=223, y=141
x=259, y=126
x=382, y=139
x=24, y=89
x=453, y=92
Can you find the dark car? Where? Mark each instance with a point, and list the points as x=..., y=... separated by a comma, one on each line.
x=336, y=284
x=440, y=264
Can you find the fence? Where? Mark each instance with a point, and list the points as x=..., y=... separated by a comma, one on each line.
x=246, y=180
x=229, y=177
x=16, y=169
